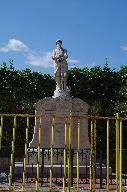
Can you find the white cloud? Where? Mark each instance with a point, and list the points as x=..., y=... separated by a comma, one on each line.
x=123, y=47
x=14, y=45
x=43, y=60
x=73, y=61
x=31, y=57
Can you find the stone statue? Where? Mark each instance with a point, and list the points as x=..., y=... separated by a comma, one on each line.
x=59, y=55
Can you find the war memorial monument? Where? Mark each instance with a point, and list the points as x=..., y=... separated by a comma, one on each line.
x=60, y=105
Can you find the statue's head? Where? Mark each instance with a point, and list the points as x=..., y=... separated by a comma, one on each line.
x=59, y=42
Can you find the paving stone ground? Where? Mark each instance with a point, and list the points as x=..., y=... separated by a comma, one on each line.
x=31, y=187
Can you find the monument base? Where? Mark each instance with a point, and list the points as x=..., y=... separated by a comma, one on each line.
x=60, y=108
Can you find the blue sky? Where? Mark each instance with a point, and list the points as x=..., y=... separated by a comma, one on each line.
x=91, y=30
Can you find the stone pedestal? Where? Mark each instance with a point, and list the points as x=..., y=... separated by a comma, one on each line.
x=61, y=93
x=60, y=107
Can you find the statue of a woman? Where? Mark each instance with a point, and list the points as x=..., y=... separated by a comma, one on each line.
x=61, y=67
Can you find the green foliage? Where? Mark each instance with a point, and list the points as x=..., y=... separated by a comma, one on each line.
x=121, y=104
x=19, y=90
x=97, y=86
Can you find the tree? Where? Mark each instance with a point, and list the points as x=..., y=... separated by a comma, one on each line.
x=21, y=89
x=121, y=103
x=97, y=86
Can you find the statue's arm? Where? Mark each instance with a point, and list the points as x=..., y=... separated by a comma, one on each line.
x=65, y=56
x=54, y=56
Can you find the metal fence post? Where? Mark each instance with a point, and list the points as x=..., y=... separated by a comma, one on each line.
x=69, y=152
x=78, y=150
x=38, y=155
x=51, y=162
x=42, y=166
x=25, y=156
x=12, y=154
x=117, y=152
x=101, y=174
x=72, y=155
x=107, y=155
x=120, y=166
x=65, y=154
x=92, y=161
x=1, y=130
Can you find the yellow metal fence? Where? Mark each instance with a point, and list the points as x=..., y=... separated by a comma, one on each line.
x=67, y=163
